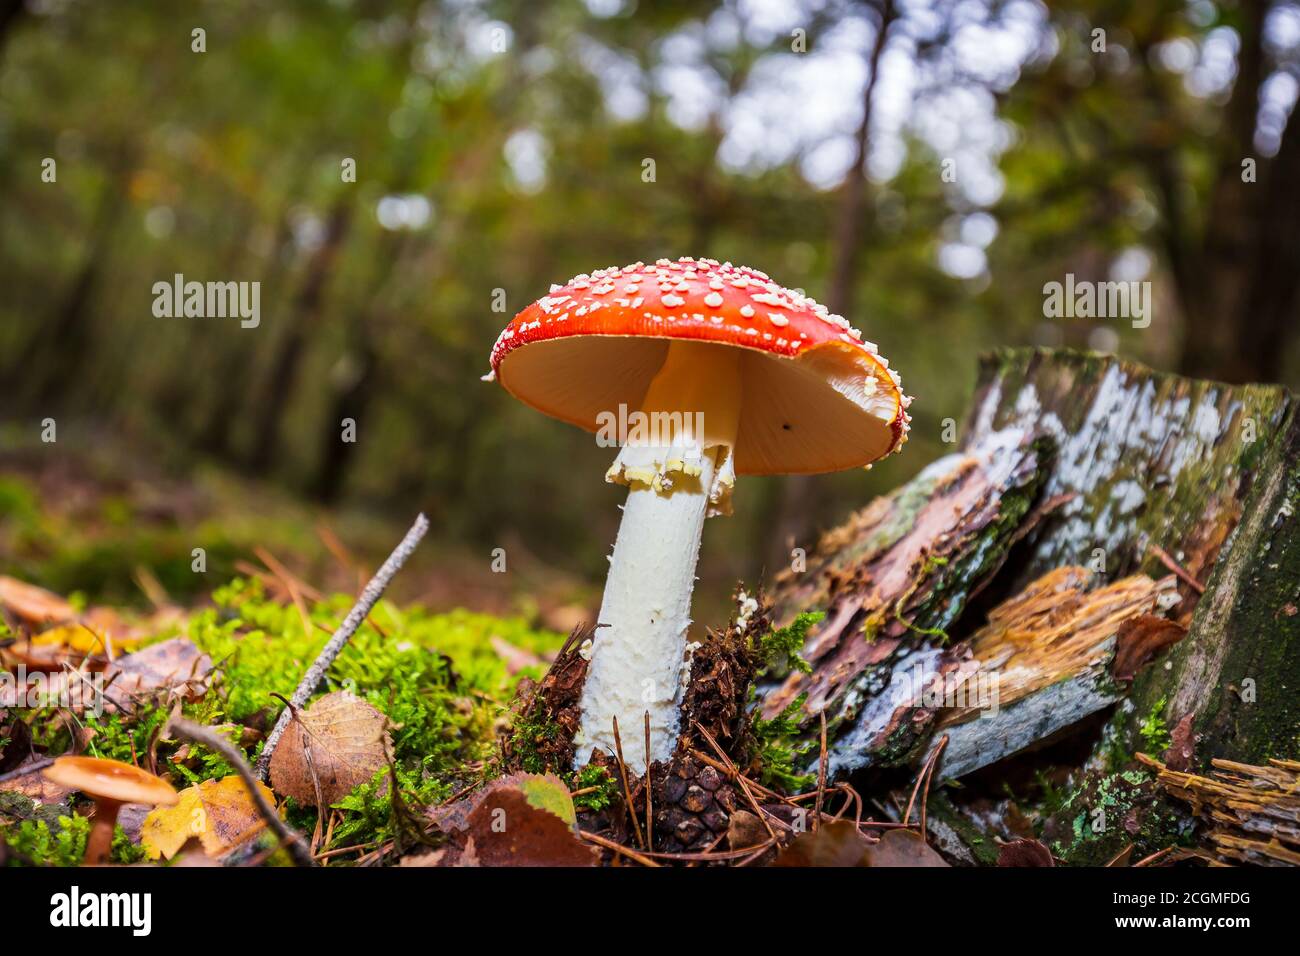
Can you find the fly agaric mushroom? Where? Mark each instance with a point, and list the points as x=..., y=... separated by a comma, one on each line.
x=726, y=373
x=110, y=783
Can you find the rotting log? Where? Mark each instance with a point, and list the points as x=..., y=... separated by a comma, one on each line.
x=1096, y=499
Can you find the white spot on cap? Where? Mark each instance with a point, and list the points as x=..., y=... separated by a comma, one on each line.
x=713, y=300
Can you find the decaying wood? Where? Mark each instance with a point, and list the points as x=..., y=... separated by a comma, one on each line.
x=1236, y=676
x=890, y=582
x=1041, y=663
x=1078, y=480
x=1254, y=811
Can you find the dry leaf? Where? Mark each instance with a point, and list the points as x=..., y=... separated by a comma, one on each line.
x=175, y=670
x=544, y=791
x=745, y=829
x=425, y=858
x=15, y=743
x=902, y=848
x=336, y=744
x=1025, y=853
x=506, y=829
x=1141, y=638
x=837, y=843
x=520, y=820
x=515, y=658
x=220, y=813
x=34, y=605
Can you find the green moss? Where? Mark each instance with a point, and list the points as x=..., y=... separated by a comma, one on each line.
x=781, y=749
x=1109, y=812
x=44, y=843
x=780, y=649
x=1154, y=732
x=527, y=742
x=434, y=676
x=606, y=788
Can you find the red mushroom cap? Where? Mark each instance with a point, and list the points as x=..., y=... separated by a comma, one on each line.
x=816, y=396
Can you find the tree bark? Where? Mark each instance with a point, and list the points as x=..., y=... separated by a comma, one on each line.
x=1063, y=545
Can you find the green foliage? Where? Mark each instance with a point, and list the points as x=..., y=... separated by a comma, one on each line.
x=370, y=814
x=123, y=851
x=779, y=745
x=781, y=748
x=600, y=778
x=63, y=844
x=526, y=739
x=1154, y=731
x=780, y=648
x=434, y=676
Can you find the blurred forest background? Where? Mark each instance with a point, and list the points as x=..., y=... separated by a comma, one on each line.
x=922, y=166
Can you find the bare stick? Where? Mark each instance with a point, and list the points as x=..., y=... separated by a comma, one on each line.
x=627, y=790
x=1167, y=560
x=821, y=775
x=316, y=673
x=649, y=818
x=213, y=741
x=618, y=848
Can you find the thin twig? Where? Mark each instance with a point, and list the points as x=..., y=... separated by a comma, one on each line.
x=25, y=768
x=316, y=673
x=708, y=857
x=627, y=790
x=925, y=795
x=631, y=854
x=1148, y=860
x=740, y=779
x=209, y=738
x=1182, y=573
x=649, y=819
x=821, y=774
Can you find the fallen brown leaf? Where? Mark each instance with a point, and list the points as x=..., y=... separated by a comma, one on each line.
x=745, y=829
x=1025, y=853
x=171, y=670
x=33, y=605
x=336, y=744
x=837, y=843
x=902, y=848
x=1141, y=638
x=506, y=829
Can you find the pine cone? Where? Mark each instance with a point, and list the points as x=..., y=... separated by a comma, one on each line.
x=693, y=805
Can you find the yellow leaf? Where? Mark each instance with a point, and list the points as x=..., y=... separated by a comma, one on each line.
x=219, y=813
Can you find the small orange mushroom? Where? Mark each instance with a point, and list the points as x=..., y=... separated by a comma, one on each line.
x=110, y=783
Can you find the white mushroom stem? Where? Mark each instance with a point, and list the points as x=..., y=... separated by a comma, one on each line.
x=678, y=474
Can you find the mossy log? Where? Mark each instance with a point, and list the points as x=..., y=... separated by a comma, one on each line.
x=1066, y=541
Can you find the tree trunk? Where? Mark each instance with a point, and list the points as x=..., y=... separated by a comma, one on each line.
x=306, y=310
x=791, y=524
x=1018, y=586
